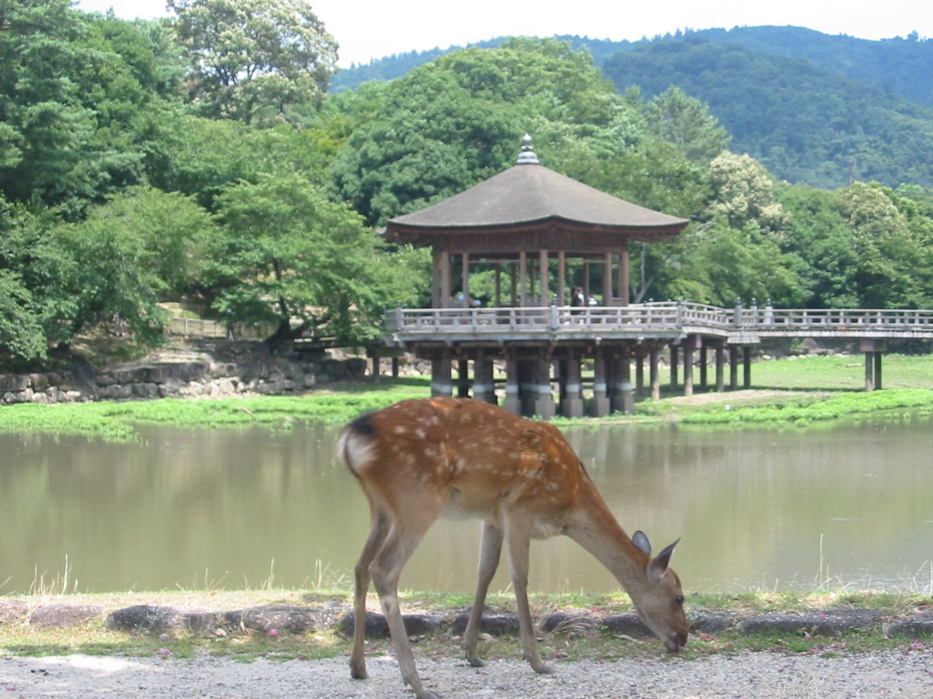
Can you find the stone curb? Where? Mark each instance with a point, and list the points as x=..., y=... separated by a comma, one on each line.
x=303, y=619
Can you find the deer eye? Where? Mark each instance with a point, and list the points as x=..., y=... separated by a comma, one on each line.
x=679, y=600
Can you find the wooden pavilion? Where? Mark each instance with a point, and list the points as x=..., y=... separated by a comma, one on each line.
x=520, y=223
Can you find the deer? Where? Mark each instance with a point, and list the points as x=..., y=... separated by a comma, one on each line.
x=420, y=459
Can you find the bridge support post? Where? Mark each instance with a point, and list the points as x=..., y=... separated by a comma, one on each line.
x=441, y=386
x=720, y=362
x=599, y=406
x=689, y=347
x=675, y=362
x=571, y=402
x=540, y=400
x=622, y=400
x=655, y=375
x=701, y=360
x=873, y=350
x=512, y=401
x=463, y=378
x=733, y=367
x=484, y=387
x=747, y=366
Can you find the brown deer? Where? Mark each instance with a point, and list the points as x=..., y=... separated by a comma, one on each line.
x=420, y=458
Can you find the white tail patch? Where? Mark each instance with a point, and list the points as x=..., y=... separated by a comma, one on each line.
x=357, y=451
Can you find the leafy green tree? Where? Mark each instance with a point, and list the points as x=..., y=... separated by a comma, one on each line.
x=686, y=123
x=290, y=256
x=253, y=60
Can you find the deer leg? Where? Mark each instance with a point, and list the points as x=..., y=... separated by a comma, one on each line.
x=401, y=543
x=519, y=543
x=490, y=549
x=378, y=531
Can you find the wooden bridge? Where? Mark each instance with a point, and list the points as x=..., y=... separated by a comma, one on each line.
x=534, y=338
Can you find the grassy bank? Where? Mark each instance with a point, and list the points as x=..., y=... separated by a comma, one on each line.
x=792, y=391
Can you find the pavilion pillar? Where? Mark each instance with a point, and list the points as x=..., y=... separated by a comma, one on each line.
x=654, y=357
x=561, y=278
x=523, y=278
x=689, y=347
x=484, y=386
x=624, y=272
x=512, y=401
x=441, y=386
x=543, y=278
x=437, y=292
x=497, y=302
x=447, y=290
x=599, y=406
x=571, y=402
x=607, y=279
x=465, y=276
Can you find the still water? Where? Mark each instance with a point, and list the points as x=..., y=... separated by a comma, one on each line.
x=851, y=504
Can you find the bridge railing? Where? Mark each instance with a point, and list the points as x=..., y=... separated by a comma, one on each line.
x=656, y=316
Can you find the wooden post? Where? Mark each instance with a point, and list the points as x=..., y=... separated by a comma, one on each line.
x=542, y=278
x=640, y=374
x=561, y=278
x=702, y=361
x=607, y=279
x=689, y=345
x=675, y=361
x=720, y=361
x=463, y=378
x=624, y=272
x=733, y=367
x=599, y=407
x=655, y=375
x=878, y=371
x=571, y=404
x=747, y=361
x=441, y=386
x=522, y=278
x=542, y=399
x=869, y=375
x=484, y=387
x=512, y=401
x=465, y=278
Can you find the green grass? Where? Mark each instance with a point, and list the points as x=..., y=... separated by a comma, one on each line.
x=793, y=391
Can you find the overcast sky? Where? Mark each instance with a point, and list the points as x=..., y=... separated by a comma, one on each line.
x=367, y=29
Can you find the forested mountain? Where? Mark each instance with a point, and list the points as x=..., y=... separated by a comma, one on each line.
x=816, y=109
x=805, y=124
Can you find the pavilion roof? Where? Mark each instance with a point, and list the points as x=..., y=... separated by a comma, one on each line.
x=527, y=195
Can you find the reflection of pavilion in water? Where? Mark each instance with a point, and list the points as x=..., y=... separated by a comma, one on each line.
x=520, y=223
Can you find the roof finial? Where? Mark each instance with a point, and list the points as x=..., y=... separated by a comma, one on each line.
x=527, y=156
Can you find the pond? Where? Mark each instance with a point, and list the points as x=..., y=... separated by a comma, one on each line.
x=842, y=505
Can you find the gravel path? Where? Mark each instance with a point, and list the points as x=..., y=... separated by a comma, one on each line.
x=903, y=674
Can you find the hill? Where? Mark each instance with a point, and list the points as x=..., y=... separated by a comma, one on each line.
x=815, y=109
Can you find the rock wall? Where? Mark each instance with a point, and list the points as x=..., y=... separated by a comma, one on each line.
x=209, y=368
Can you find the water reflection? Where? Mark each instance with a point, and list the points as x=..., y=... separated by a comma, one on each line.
x=221, y=508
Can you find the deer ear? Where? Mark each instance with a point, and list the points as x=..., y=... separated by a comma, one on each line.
x=641, y=542
x=660, y=564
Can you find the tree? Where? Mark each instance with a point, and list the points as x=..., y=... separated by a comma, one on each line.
x=290, y=256
x=686, y=123
x=253, y=60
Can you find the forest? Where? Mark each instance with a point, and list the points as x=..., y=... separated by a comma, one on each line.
x=149, y=163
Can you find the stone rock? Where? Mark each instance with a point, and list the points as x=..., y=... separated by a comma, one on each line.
x=920, y=625
x=146, y=618
x=13, y=383
x=629, y=624
x=493, y=624
x=376, y=625
x=828, y=623
x=713, y=622
x=13, y=611
x=63, y=616
x=569, y=621
x=281, y=617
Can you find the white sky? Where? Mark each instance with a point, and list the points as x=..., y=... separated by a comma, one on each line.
x=367, y=29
